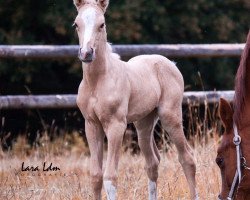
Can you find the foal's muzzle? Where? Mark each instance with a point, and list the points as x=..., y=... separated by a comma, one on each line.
x=87, y=56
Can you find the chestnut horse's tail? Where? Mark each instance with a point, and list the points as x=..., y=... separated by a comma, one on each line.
x=242, y=82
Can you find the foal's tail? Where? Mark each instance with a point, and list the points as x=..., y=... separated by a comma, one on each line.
x=242, y=82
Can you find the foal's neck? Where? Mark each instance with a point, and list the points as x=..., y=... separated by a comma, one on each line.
x=93, y=71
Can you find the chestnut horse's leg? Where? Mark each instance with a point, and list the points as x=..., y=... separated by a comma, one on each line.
x=171, y=119
x=95, y=136
x=114, y=132
x=148, y=147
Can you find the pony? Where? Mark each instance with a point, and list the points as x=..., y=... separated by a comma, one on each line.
x=113, y=93
x=233, y=154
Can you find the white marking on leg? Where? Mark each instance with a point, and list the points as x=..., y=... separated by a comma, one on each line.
x=88, y=17
x=152, y=190
x=110, y=190
x=196, y=195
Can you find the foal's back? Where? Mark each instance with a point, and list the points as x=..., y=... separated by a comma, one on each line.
x=154, y=80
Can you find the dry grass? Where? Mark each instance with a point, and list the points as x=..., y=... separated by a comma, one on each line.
x=72, y=181
x=71, y=155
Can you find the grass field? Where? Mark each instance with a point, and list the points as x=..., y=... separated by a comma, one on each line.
x=72, y=180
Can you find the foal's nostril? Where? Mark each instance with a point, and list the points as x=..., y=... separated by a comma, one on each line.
x=89, y=53
x=86, y=56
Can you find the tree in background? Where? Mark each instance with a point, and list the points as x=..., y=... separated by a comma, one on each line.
x=140, y=21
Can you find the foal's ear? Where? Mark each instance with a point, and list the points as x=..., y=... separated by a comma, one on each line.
x=103, y=4
x=226, y=113
x=78, y=3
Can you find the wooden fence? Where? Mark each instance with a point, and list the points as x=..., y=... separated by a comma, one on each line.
x=70, y=51
x=69, y=101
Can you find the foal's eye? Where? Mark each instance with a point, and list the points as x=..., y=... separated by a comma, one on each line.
x=102, y=25
x=219, y=161
x=75, y=25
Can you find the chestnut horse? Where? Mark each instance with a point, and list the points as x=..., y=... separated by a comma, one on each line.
x=234, y=150
x=113, y=93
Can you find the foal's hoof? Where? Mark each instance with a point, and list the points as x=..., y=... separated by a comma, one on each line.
x=196, y=197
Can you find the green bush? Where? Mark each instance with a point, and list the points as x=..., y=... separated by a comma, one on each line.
x=141, y=21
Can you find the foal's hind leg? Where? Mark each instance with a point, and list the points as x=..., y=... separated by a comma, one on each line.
x=148, y=147
x=171, y=119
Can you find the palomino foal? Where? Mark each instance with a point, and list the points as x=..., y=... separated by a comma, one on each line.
x=114, y=93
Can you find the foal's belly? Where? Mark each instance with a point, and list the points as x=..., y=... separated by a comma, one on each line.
x=142, y=103
x=139, y=113
x=145, y=92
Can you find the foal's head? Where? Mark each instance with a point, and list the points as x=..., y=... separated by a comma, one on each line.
x=226, y=154
x=90, y=27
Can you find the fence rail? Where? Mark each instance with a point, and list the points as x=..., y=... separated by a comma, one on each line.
x=70, y=51
x=69, y=101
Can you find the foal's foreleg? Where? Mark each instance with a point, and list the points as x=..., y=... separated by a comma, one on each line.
x=114, y=132
x=149, y=149
x=95, y=137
